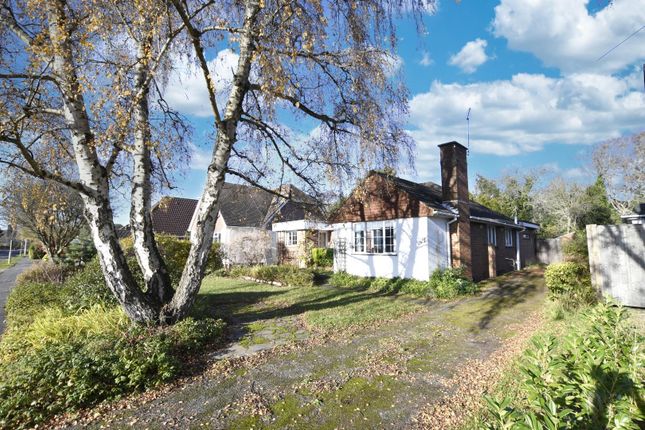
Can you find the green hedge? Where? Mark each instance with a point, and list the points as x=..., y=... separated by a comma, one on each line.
x=443, y=284
x=593, y=378
x=175, y=253
x=286, y=275
x=570, y=284
x=322, y=257
x=61, y=362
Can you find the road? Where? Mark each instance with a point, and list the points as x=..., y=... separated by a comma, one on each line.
x=7, y=281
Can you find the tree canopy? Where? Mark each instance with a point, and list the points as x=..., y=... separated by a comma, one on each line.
x=83, y=82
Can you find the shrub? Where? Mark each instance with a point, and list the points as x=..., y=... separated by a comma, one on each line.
x=28, y=299
x=443, y=284
x=175, y=253
x=322, y=257
x=592, y=379
x=63, y=362
x=36, y=251
x=87, y=288
x=43, y=271
x=576, y=249
x=570, y=284
x=345, y=280
x=450, y=283
x=80, y=252
x=284, y=274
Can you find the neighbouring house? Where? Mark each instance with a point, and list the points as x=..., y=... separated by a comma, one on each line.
x=299, y=227
x=246, y=216
x=392, y=227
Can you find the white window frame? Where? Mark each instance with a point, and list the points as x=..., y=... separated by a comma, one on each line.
x=374, y=238
x=292, y=238
x=491, y=232
x=508, y=237
x=217, y=237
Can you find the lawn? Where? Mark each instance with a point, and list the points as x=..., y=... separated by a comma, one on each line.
x=4, y=264
x=375, y=368
x=321, y=308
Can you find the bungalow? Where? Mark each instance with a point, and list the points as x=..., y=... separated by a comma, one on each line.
x=246, y=216
x=392, y=227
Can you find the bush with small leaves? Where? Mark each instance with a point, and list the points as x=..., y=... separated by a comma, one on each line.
x=62, y=362
x=570, y=284
x=322, y=257
x=591, y=379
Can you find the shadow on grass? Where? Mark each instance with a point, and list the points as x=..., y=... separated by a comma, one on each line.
x=233, y=306
x=497, y=296
x=509, y=291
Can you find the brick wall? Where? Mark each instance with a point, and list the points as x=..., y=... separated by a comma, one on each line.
x=378, y=199
x=454, y=187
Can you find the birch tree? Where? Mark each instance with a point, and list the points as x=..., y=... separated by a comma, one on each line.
x=621, y=165
x=78, y=80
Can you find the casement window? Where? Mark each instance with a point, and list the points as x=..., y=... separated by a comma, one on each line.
x=508, y=237
x=217, y=237
x=292, y=238
x=374, y=237
x=359, y=238
x=492, y=235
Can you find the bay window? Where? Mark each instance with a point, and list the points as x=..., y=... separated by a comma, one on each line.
x=376, y=237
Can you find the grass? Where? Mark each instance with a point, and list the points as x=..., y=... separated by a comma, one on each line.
x=322, y=308
x=5, y=265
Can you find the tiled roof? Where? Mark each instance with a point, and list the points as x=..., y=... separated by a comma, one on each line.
x=430, y=193
x=172, y=215
x=240, y=206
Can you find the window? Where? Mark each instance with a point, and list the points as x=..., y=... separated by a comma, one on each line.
x=492, y=235
x=508, y=237
x=374, y=238
x=217, y=237
x=377, y=240
x=292, y=238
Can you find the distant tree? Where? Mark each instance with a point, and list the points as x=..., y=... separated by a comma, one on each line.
x=598, y=209
x=511, y=195
x=46, y=211
x=621, y=164
x=560, y=206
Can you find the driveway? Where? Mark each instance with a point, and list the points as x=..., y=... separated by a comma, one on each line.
x=7, y=282
x=391, y=375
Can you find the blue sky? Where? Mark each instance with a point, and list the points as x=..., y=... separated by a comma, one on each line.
x=528, y=69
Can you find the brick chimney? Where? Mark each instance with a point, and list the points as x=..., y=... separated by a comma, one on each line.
x=454, y=188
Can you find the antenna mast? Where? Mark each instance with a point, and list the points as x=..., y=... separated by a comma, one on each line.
x=468, y=125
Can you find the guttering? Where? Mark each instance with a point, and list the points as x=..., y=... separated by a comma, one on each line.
x=496, y=222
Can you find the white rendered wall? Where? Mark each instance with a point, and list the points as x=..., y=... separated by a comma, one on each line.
x=420, y=248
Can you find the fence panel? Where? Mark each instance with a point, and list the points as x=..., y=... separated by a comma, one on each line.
x=617, y=261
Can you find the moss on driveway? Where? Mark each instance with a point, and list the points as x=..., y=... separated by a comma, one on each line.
x=375, y=377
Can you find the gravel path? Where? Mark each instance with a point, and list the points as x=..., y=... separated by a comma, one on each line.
x=389, y=376
x=7, y=282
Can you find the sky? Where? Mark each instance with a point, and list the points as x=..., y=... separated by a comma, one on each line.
x=529, y=71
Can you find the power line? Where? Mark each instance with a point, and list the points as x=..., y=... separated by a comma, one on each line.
x=625, y=40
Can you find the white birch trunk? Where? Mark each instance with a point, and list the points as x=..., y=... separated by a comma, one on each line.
x=98, y=210
x=154, y=270
x=201, y=236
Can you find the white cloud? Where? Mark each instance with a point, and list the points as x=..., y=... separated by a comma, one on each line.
x=426, y=60
x=524, y=114
x=565, y=35
x=471, y=56
x=186, y=89
x=200, y=158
